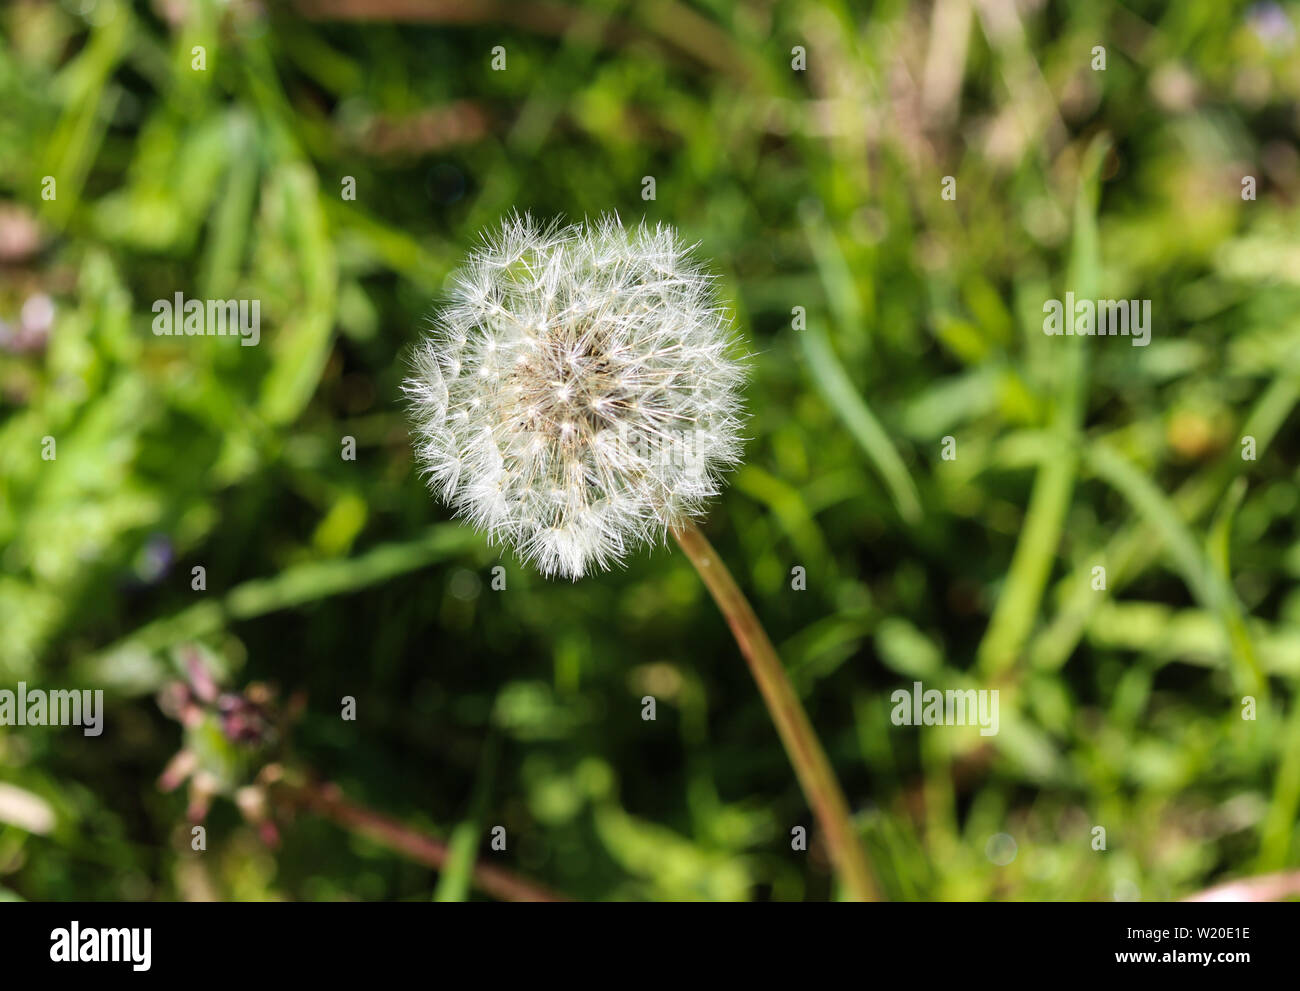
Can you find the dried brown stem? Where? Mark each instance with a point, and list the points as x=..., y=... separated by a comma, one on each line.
x=327, y=801
x=1266, y=888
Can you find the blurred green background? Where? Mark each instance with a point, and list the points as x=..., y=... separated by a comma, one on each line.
x=817, y=188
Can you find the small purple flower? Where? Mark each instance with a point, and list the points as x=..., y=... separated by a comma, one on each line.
x=155, y=558
x=1271, y=24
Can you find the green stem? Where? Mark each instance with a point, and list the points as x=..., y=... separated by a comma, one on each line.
x=800, y=740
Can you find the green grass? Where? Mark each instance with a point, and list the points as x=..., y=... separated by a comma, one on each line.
x=478, y=707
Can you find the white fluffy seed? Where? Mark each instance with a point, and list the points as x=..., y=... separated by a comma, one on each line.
x=591, y=405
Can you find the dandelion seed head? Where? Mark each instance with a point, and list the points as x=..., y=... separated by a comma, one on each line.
x=579, y=393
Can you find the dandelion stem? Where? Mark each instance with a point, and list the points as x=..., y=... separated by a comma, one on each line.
x=814, y=771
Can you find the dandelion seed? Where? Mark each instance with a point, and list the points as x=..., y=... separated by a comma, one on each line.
x=606, y=404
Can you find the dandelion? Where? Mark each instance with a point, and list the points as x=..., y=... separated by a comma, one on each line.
x=579, y=396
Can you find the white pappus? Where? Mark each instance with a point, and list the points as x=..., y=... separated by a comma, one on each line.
x=579, y=393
